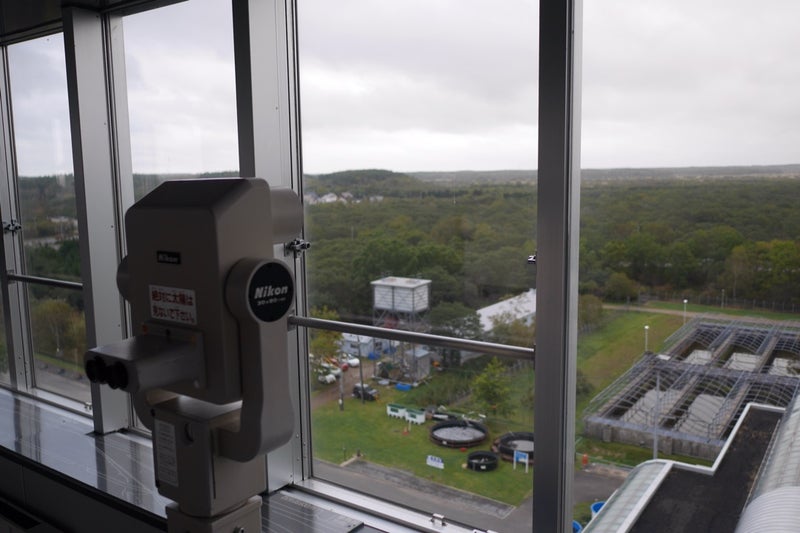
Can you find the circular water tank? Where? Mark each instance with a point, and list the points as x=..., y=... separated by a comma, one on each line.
x=458, y=433
x=482, y=461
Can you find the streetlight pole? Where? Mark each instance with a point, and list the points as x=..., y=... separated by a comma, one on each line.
x=646, y=328
x=656, y=414
x=360, y=368
x=685, y=301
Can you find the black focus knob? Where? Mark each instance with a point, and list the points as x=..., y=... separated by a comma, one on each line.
x=117, y=376
x=96, y=370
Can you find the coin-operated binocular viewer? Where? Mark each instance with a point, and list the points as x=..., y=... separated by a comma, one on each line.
x=207, y=367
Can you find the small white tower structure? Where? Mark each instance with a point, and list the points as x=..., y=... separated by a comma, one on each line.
x=401, y=303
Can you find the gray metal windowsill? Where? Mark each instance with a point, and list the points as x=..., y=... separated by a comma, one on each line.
x=57, y=444
x=116, y=471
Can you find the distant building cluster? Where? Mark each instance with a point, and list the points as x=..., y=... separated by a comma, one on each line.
x=312, y=198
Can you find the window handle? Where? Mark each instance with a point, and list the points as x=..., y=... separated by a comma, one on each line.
x=296, y=247
x=13, y=226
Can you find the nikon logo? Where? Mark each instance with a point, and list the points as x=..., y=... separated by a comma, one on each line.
x=170, y=258
x=266, y=291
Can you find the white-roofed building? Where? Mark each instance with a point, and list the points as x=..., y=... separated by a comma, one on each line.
x=521, y=307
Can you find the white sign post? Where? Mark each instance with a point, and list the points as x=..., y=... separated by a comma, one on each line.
x=435, y=462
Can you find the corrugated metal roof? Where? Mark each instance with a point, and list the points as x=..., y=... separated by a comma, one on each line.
x=775, y=502
x=774, y=512
x=625, y=505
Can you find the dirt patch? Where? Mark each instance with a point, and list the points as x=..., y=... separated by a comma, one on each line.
x=330, y=393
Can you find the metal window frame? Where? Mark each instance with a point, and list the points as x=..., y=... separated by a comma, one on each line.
x=557, y=276
x=268, y=120
x=270, y=148
x=14, y=299
x=103, y=183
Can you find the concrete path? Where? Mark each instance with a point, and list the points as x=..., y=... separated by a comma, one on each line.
x=592, y=484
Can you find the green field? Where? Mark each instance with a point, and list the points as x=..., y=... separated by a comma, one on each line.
x=603, y=355
x=606, y=353
x=717, y=310
x=367, y=429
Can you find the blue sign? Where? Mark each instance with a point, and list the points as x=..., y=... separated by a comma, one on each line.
x=520, y=457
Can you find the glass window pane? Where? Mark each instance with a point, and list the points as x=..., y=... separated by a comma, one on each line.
x=432, y=432
x=181, y=92
x=46, y=185
x=58, y=332
x=689, y=228
x=411, y=116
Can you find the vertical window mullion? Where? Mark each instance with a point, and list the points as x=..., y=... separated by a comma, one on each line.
x=268, y=126
x=557, y=265
x=94, y=145
x=14, y=298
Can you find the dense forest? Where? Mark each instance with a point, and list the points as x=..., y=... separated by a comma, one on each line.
x=693, y=237
x=676, y=233
x=686, y=236
x=471, y=241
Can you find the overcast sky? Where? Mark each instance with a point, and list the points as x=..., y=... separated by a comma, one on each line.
x=449, y=85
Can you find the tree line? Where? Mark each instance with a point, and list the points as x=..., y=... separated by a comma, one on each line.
x=686, y=236
x=692, y=237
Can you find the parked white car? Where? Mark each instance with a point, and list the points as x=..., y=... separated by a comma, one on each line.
x=326, y=378
x=349, y=360
x=331, y=369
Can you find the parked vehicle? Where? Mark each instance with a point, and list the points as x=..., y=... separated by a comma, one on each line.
x=349, y=360
x=331, y=369
x=326, y=378
x=366, y=392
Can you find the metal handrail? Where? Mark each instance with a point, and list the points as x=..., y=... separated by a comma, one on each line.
x=46, y=281
x=501, y=350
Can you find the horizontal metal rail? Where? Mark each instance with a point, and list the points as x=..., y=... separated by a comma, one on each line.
x=46, y=281
x=501, y=350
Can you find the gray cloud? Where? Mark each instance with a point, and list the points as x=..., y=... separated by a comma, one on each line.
x=415, y=85
x=690, y=83
x=665, y=83
x=40, y=107
x=448, y=84
x=181, y=91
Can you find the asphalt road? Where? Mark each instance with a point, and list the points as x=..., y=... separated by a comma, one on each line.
x=66, y=384
x=595, y=483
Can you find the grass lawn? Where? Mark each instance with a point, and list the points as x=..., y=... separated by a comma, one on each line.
x=603, y=355
x=717, y=310
x=337, y=435
x=626, y=454
x=582, y=512
x=61, y=363
x=606, y=353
